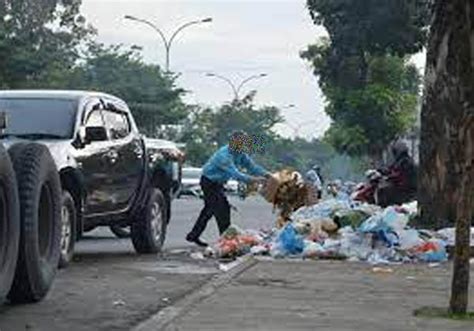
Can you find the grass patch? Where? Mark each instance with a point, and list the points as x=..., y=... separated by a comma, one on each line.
x=434, y=312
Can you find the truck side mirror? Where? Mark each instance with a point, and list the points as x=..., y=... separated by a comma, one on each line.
x=95, y=133
x=3, y=120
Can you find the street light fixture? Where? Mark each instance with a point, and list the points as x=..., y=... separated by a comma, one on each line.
x=167, y=41
x=236, y=88
x=288, y=106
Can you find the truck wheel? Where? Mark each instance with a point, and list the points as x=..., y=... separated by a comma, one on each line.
x=120, y=231
x=149, y=229
x=39, y=190
x=9, y=224
x=68, y=229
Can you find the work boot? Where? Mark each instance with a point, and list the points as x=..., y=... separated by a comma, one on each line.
x=196, y=241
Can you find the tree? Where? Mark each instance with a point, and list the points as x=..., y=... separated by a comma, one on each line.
x=447, y=134
x=207, y=128
x=366, y=118
x=152, y=95
x=198, y=134
x=358, y=29
x=39, y=39
x=370, y=88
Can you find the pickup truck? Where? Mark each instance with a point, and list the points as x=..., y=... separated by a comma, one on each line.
x=110, y=174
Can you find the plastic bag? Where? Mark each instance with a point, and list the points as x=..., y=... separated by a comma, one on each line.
x=260, y=250
x=228, y=247
x=354, y=245
x=388, y=221
x=409, y=239
x=352, y=218
x=449, y=236
x=289, y=241
x=431, y=251
x=324, y=209
x=312, y=249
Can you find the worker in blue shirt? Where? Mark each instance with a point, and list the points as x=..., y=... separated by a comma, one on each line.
x=221, y=167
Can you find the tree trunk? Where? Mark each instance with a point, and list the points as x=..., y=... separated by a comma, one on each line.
x=447, y=134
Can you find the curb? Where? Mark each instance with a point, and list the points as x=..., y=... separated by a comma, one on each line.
x=164, y=317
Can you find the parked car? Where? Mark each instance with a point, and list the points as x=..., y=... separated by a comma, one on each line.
x=30, y=221
x=232, y=186
x=190, y=182
x=110, y=175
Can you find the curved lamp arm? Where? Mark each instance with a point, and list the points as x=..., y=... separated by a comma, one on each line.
x=228, y=81
x=248, y=79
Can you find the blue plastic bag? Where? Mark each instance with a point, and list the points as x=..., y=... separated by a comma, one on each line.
x=290, y=241
x=438, y=255
x=388, y=221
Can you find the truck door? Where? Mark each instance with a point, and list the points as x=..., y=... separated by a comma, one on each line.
x=94, y=162
x=129, y=167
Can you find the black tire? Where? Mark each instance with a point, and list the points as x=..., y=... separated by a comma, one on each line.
x=149, y=228
x=39, y=190
x=9, y=224
x=68, y=229
x=121, y=232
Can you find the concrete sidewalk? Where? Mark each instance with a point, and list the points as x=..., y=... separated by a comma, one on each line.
x=324, y=295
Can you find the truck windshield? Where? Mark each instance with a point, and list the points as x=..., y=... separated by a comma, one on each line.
x=51, y=118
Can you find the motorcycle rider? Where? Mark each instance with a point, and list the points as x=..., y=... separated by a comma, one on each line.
x=400, y=178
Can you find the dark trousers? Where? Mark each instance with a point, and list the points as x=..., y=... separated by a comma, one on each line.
x=215, y=204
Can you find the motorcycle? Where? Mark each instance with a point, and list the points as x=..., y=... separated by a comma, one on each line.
x=367, y=192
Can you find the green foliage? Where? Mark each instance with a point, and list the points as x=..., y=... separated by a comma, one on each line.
x=47, y=44
x=207, y=129
x=38, y=39
x=438, y=312
x=152, y=95
x=198, y=134
x=371, y=90
x=375, y=27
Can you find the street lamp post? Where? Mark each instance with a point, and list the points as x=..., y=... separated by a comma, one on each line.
x=236, y=88
x=167, y=42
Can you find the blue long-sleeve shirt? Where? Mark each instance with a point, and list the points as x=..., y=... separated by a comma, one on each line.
x=225, y=164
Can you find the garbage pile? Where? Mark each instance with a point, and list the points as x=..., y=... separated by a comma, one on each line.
x=339, y=228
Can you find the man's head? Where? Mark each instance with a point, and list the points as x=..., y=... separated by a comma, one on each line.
x=399, y=148
x=240, y=142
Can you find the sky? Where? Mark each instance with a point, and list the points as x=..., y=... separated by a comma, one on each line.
x=245, y=38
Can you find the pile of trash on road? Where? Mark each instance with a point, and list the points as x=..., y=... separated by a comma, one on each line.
x=341, y=229
x=335, y=228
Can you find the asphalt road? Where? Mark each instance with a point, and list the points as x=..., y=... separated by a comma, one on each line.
x=252, y=213
x=109, y=287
